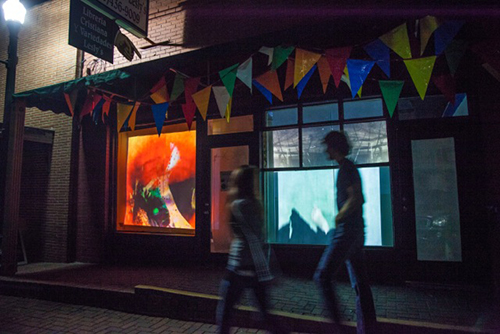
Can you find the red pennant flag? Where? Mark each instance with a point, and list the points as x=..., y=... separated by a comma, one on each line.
x=71, y=100
x=290, y=68
x=190, y=87
x=90, y=103
x=337, y=59
x=446, y=85
x=189, y=110
x=106, y=105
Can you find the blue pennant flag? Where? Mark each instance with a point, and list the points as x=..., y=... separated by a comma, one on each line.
x=159, y=113
x=457, y=109
x=358, y=71
x=96, y=113
x=302, y=83
x=381, y=54
x=264, y=91
x=445, y=34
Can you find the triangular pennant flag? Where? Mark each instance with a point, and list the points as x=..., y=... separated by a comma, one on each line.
x=302, y=84
x=178, y=87
x=106, y=106
x=122, y=112
x=228, y=77
x=270, y=81
x=290, y=65
x=133, y=114
x=446, y=85
x=420, y=70
x=201, y=99
x=427, y=27
x=391, y=89
x=379, y=52
x=71, y=101
x=397, y=39
x=454, y=53
x=244, y=73
x=304, y=61
x=189, y=110
x=324, y=72
x=459, y=108
x=267, y=94
x=222, y=98
x=337, y=59
x=345, y=78
x=190, y=87
x=90, y=103
x=159, y=114
x=268, y=51
x=159, y=92
x=358, y=71
x=228, y=109
x=445, y=34
x=280, y=54
x=98, y=110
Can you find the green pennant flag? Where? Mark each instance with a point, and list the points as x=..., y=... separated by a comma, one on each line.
x=391, y=89
x=280, y=55
x=420, y=71
x=178, y=87
x=228, y=77
x=454, y=53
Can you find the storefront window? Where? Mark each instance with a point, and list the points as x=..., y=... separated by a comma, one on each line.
x=299, y=179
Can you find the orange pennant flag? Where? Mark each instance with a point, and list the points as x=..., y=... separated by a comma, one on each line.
x=304, y=61
x=397, y=40
x=324, y=72
x=131, y=121
x=201, y=99
x=106, y=105
x=270, y=81
x=289, y=73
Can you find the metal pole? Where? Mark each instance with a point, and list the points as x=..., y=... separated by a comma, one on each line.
x=9, y=214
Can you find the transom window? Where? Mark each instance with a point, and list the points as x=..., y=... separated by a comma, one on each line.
x=299, y=179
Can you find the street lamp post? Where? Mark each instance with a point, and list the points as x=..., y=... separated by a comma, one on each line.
x=10, y=160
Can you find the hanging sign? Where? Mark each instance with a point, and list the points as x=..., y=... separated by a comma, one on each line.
x=91, y=31
x=131, y=15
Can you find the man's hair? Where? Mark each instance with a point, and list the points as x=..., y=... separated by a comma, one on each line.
x=338, y=141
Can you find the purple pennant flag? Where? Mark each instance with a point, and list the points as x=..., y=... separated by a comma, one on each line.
x=264, y=91
x=358, y=71
x=380, y=53
x=302, y=83
x=444, y=34
x=159, y=113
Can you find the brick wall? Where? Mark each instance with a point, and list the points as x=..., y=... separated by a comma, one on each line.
x=45, y=58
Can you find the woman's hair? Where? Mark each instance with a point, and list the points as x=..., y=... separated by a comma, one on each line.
x=242, y=183
x=338, y=141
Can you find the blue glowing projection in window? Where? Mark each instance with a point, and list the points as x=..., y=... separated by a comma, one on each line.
x=305, y=206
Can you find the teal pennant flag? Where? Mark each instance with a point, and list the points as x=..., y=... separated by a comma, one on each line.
x=228, y=77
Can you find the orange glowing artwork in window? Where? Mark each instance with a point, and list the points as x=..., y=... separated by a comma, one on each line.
x=161, y=180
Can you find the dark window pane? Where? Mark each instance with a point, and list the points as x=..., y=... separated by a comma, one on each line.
x=281, y=148
x=363, y=109
x=279, y=117
x=313, y=149
x=321, y=113
x=432, y=107
x=369, y=142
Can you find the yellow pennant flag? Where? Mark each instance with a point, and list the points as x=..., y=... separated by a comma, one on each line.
x=397, y=40
x=122, y=112
x=324, y=72
x=131, y=121
x=420, y=71
x=228, y=109
x=304, y=61
x=161, y=95
x=427, y=27
x=201, y=99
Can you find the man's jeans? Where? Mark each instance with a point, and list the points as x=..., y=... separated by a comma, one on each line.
x=346, y=247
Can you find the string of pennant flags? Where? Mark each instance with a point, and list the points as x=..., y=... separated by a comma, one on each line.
x=331, y=63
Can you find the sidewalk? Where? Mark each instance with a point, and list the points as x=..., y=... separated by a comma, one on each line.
x=190, y=293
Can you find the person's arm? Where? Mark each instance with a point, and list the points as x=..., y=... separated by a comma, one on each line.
x=354, y=203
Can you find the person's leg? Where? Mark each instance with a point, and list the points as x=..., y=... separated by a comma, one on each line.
x=333, y=257
x=230, y=292
x=365, y=308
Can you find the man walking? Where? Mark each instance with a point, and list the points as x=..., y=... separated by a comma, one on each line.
x=346, y=244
